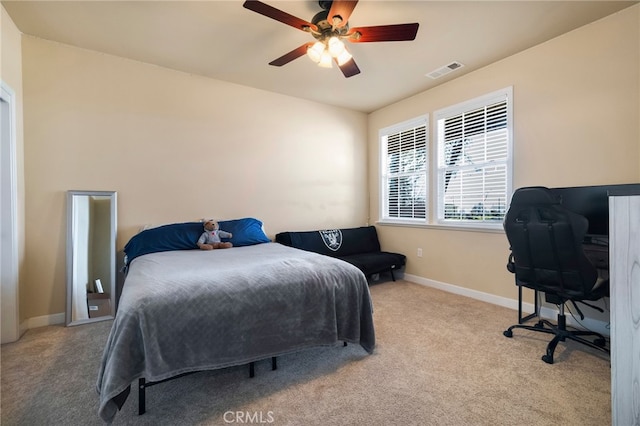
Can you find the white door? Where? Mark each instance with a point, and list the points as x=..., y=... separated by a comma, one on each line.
x=8, y=220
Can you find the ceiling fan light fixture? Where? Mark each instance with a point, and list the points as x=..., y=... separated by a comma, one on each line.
x=343, y=58
x=315, y=52
x=325, y=60
x=335, y=46
x=329, y=27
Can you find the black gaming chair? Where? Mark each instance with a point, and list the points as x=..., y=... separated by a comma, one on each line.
x=547, y=256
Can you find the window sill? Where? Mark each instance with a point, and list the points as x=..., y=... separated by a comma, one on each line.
x=467, y=228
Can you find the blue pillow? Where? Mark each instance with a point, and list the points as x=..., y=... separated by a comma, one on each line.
x=246, y=232
x=184, y=236
x=176, y=236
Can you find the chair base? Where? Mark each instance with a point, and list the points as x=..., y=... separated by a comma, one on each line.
x=561, y=334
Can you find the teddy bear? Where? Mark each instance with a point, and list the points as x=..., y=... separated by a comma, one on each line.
x=210, y=238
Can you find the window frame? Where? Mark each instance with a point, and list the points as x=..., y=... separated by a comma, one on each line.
x=501, y=95
x=422, y=120
x=432, y=175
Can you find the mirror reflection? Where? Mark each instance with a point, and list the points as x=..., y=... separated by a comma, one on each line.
x=91, y=256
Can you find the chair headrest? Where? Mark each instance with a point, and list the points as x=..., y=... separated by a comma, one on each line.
x=538, y=195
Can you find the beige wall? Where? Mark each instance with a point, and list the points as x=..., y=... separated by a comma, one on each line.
x=576, y=112
x=176, y=147
x=11, y=74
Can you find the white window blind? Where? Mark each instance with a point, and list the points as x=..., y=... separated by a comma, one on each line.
x=474, y=158
x=404, y=171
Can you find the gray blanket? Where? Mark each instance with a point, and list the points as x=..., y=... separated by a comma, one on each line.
x=192, y=310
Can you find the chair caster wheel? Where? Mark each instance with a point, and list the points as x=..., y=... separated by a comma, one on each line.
x=508, y=333
x=548, y=359
x=600, y=342
x=539, y=324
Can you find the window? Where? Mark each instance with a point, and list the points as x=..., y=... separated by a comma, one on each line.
x=471, y=182
x=404, y=162
x=474, y=161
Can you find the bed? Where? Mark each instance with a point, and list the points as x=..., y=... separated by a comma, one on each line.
x=183, y=310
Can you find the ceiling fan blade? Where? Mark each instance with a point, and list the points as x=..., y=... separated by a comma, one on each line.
x=343, y=9
x=349, y=68
x=397, y=32
x=288, y=57
x=278, y=15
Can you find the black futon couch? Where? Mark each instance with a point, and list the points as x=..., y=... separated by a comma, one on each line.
x=358, y=246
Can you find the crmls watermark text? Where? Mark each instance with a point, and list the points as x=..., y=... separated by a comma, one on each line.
x=246, y=417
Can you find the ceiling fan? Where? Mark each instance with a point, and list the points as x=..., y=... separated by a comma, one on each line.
x=329, y=27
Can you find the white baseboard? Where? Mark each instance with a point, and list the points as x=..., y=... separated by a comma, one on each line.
x=35, y=322
x=545, y=312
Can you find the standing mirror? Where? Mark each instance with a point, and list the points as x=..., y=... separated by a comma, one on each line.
x=91, y=256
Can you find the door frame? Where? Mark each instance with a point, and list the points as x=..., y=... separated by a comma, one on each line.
x=9, y=272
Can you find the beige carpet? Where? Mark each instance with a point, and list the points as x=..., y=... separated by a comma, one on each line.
x=441, y=359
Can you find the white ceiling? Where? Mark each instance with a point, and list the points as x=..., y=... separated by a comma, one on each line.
x=225, y=41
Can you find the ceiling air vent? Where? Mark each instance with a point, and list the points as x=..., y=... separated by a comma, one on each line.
x=445, y=70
